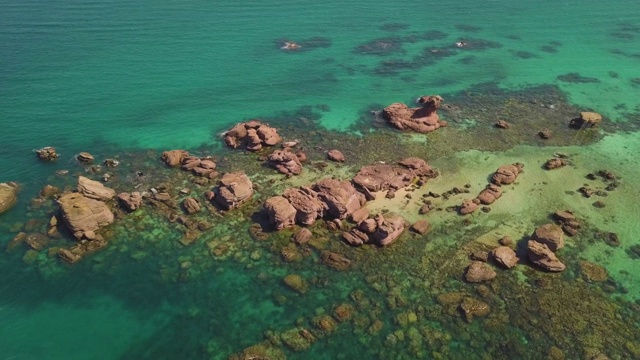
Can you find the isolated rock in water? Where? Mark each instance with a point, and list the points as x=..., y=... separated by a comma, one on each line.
x=542, y=256
x=8, y=196
x=467, y=207
x=94, y=189
x=286, y=162
x=234, y=189
x=130, y=201
x=389, y=230
x=555, y=163
x=507, y=174
x=335, y=155
x=505, y=256
x=305, y=200
x=490, y=194
x=340, y=197
x=85, y=157
x=174, y=158
x=422, y=120
x=191, y=205
x=550, y=235
x=381, y=177
x=82, y=214
x=586, y=119
x=47, y=153
x=421, y=227
x=281, y=213
x=478, y=271
x=252, y=134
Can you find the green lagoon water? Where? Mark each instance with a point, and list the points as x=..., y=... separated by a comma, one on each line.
x=125, y=77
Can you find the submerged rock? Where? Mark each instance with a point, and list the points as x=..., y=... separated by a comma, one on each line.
x=234, y=189
x=423, y=119
x=335, y=260
x=191, y=205
x=542, y=256
x=335, y=155
x=8, y=196
x=302, y=236
x=296, y=283
x=381, y=177
x=83, y=215
x=478, y=271
x=421, y=227
x=472, y=308
x=94, y=189
x=593, y=272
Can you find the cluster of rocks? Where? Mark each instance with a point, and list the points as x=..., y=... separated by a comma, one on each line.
x=505, y=175
x=204, y=167
x=47, y=153
x=252, y=135
x=286, y=161
x=8, y=196
x=555, y=163
x=233, y=190
x=423, y=119
x=336, y=199
x=568, y=221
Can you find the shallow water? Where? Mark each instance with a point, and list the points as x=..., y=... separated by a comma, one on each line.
x=127, y=79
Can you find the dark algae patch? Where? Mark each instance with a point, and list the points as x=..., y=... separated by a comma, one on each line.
x=577, y=79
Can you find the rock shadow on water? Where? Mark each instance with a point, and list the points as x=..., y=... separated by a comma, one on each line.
x=576, y=78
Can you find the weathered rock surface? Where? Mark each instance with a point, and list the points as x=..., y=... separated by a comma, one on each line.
x=421, y=227
x=550, y=235
x=388, y=230
x=381, y=177
x=586, y=119
x=252, y=134
x=507, y=174
x=8, y=196
x=490, y=194
x=360, y=215
x=204, y=167
x=82, y=214
x=47, y=153
x=355, y=237
x=130, y=201
x=423, y=119
x=335, y=155
x=505, y=256
x=555, y=163
x=191, y=205
x=280, y=211
x=308, y=205
x=234, y=189
x=468, y=206
x=472, y=308
x=85, y=157
x=593, y=272
x=94, y=189
x=335, y=260
x=478, y=271
x=302, y=236
x=340, y=197
x=174, y=158
x=285, y=161
x=540, y=255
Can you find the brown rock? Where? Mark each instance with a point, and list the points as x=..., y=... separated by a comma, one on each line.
x=82, y=214
x=234, y=189
x=490, y=194
x=340, y=197
x=479, y=255
x=47, y=153
x=49, y=191
x=37, y=241
x=191, y=205
x=8, y=195
x=174, y=158
x=507, y=174
x=280, y=211
x=593, y=272
x=421, y=227
x=467, y=207
x=305, y=200
x=130, y=201
x=368, y=226
x=268, y=135
x=505, y=241
x=85, y=157
x=501, y=124
x=542, y=256
x=302, y=236
x=555, y=163
x=564, y=215
x=355, y=237
x=360, y=215
x=550, y=235
x=234, y=136
x=478, y=271
x=505, y=256
x=335, y=155
x=254, y=143
x=586, y=119
x=380, y=177
x=422, y=120
x=388, y=231
x=94, y=189
x=545, y=134
x=285, y=162
x=335, y=260
x=297, y=283
x=472, y=308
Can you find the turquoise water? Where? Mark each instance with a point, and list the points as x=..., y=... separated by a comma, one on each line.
x=122, y=78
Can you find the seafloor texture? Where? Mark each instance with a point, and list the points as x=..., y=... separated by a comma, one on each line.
x=177, y=275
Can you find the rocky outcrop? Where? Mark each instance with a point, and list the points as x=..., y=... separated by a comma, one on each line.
x=253, y=135
x=540, y=255
x=191, y=205
x=555, y=163
x=8, y=196
x=286, y=162
x=490, y=194
x=84, y=216
x=308, y=205
x=586, y=119
x=335, y=260
x=130, y=201
x=569, y=223
x=174, y=158
x=381, y=177
x=204, y=167
x=421, y=227
x=505, y=256
x=389, y=229
x=340, y=197
x=478, y=271
x=380, y=231
x=280, y=211
x=85, y=157
x=335, y=155
x=47, y=153
x=507, y=174
x=234, y=189
x=94, y=189
x=550, y=235
x=423, y=119
x=468, y=206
